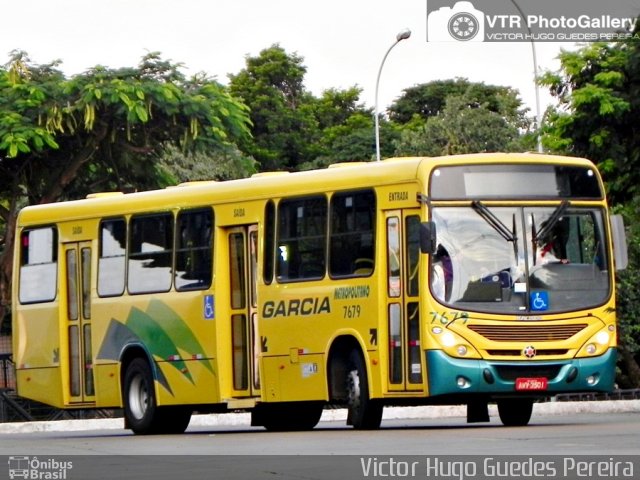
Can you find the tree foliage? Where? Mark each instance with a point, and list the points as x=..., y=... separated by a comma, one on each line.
x=598, y=89
x=430, y=100
x=628, y=299
x=225, y=162
x=284, y=127
x=461, y=124
x=102, y=129
x=293, y=129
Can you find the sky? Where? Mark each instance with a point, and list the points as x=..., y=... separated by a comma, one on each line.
x=342, y=42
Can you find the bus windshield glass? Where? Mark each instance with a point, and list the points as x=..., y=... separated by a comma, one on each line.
x=520, y=259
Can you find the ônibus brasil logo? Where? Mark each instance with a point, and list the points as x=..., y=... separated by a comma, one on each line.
x=38, y=469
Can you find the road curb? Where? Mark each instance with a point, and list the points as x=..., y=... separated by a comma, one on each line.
x=330, y=415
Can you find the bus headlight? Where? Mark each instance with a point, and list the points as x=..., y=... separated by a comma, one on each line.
x=448, y=339
x=602, y=337
x=453, y=344
x=597, y=344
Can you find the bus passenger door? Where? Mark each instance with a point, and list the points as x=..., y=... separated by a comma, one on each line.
x=243, y=252
x=405, y=360
x=77, y=261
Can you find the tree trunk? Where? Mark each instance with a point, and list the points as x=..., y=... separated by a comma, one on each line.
x=6, y=262
x=70, y=172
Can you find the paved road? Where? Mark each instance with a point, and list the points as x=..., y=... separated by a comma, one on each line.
x=608, y=433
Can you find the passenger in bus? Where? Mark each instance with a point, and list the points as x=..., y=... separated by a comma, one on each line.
x=442, y=274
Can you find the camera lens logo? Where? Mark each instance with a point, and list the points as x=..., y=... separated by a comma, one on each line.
x=462, y=22
x=463, y=26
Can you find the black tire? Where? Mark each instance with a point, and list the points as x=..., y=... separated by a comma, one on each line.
x=173, y=420
x=515, y=412
x=364, y=413
x=288, y=417
x=142, y=414
x=139, y=397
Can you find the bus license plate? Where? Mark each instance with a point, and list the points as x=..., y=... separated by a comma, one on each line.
x=531, y=383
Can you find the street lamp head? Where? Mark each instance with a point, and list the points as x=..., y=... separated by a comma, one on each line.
x=403, y=34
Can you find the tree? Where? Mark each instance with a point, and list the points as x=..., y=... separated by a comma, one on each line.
x=225, y=162
x=351, y=141
x=346, y=129
x=429, y=100
x=628, y=300
x=64, y=137
x=598, y=89
x=335, y=107
x=283, y=125
x=459, y=128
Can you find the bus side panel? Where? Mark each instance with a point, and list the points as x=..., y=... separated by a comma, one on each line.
x=35, y=384
x=107, y=378
x=170, y=328
x=299, y=322
x=296, y=377
x=37, y=354
x=107, y=352
x=186, y=383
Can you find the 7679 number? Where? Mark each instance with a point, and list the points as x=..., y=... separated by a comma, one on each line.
x=351, y=311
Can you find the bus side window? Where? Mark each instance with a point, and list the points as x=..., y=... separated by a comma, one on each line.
x=111, y=262
x=413, y=254
x=38, y=265
x=150, y=253
x=269, y=242
x=352, y=242
x=302, y=237
x=193, y=249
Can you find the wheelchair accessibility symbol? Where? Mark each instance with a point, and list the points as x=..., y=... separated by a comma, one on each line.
x=208, y=307
x=539, y=301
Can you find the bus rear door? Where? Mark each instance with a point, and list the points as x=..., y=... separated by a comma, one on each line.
x=243, y=251
x=77, y=261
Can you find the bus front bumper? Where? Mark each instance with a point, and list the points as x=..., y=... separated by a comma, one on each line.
x=448, y=375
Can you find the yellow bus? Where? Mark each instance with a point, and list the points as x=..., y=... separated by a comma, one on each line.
x=456, y=280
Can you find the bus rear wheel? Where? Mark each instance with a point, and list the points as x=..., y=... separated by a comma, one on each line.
x=515, y=412
x=364, y=413
x=139, y=397
x=142, y=414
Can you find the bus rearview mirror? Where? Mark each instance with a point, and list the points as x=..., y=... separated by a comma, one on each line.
x=428, y=237
x=620, y=253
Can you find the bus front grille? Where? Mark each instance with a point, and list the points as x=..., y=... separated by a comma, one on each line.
x=527, y=333
x=518, y=353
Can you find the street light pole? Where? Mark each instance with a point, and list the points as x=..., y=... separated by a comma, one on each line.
x=535, y=75
x=402, y=35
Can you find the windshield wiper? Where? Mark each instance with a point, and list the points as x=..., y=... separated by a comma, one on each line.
x=489, y=217
x=551, y=222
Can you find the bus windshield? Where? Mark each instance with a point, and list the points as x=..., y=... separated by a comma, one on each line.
x=514, y=260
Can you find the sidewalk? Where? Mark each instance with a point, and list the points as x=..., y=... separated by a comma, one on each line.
x=331, y=415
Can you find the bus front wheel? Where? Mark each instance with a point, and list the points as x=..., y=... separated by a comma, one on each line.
x=515, y=412
x=364, y=413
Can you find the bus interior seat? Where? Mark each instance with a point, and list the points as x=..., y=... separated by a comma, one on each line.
x=363, y=266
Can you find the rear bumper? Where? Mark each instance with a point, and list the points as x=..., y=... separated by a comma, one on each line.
x=448, y=375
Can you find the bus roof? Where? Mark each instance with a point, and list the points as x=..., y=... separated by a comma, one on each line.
x=269, y=185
